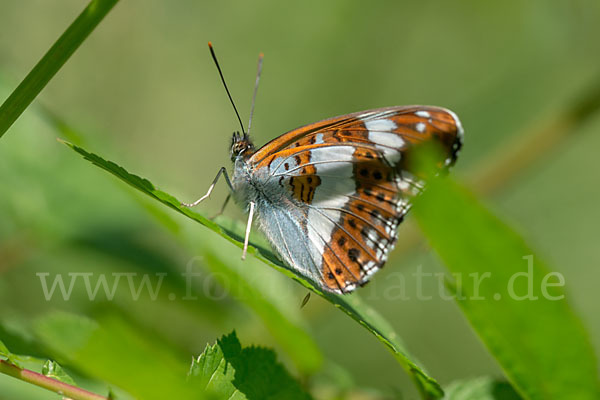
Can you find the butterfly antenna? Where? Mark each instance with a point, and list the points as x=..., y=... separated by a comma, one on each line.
x=258, y=72
x=212, y=52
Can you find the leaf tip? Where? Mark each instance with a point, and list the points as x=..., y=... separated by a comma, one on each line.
x=59, y=140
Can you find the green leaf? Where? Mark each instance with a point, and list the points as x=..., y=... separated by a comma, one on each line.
x=10, y=357
x=4, y=350
x=52, y=61
x=483, y=388
x=228, y=371
x=109, y=349
x=350, y=304
x=540, y=342
x=211, y=372
x=53, y=370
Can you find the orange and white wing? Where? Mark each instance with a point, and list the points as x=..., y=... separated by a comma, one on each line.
x=350, y=180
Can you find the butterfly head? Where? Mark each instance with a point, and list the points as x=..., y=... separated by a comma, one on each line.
x=241, y=146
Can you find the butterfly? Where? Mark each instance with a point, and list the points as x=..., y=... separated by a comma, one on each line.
x=329, y=196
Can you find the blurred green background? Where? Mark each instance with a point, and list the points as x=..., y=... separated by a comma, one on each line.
x=143, y=91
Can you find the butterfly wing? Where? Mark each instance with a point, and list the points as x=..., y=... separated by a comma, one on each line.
x=350, y=184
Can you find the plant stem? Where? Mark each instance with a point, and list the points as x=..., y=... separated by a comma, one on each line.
x=534, y=144
x=45, y=382
x=52, y=61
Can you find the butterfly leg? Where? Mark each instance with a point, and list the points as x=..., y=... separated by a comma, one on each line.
x=210, y=189
x=248, y=227
x=222, y=207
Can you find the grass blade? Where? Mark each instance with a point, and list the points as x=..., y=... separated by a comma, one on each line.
x=52, y=62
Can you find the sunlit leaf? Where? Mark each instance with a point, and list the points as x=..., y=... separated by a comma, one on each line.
x=4, y=350
x=53, y=370
x=212, y=372
x=231, y=372
x=483, y=388
x=519, y=308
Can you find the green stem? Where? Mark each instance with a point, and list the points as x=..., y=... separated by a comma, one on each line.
x=52, y=61
x=534, y=144
x=45, y=382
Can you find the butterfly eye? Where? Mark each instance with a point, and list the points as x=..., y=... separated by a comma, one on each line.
x=240, y=144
